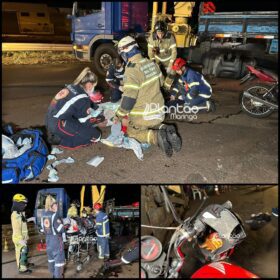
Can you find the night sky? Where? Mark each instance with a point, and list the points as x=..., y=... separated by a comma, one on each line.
x=123, y=194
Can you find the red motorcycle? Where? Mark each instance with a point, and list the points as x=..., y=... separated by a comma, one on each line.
x=260, y=100
x=213, y=232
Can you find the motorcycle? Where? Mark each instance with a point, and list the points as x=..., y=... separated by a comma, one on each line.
x=213, y=232
x=259, y=100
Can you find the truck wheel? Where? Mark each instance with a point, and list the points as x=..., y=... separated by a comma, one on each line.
x=103, y=57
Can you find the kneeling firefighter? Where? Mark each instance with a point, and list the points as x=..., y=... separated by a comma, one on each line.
x=68, y=119
x=52, y=226
x=20, y=232
x=142, y=103
x=192, y=86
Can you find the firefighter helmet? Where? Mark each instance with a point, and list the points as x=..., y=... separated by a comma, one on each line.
x=126, y=44
x=127, y=47
x=20, y=198
x=97, y=206
x=178, y=64
x=160, y=26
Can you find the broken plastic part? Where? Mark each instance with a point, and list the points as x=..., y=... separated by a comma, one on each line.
x=95, y=161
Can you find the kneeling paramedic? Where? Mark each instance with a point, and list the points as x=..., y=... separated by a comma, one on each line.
x=20, y=232
x=193, y=88
x=114, y=78
x=142, y=103
x=52, y=226
x=68, y=119
x=102, y=231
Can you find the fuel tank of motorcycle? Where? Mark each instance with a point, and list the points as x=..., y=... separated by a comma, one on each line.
x=223, y=270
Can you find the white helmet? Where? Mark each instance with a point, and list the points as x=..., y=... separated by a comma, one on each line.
x=126, y=44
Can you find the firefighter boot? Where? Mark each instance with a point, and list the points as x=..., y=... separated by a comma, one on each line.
x=163, y=143
x=173, y=138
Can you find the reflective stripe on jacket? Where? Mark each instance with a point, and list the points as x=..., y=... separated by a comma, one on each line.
x=102, y=225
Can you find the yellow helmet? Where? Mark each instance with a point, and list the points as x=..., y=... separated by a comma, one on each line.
x=20, y=198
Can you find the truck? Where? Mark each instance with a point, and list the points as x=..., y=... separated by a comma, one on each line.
x=60, y=196
x=227, y=41
x=223, y=44
x=97, y=26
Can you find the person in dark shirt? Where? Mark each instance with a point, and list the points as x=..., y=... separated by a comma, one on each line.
x=68, y=121
x=114, y=78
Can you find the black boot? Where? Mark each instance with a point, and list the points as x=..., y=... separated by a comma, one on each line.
x=212, y=106
x=173, y=138
x=163, y=143
x=27, y=271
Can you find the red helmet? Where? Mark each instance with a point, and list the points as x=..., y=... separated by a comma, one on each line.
x=96, y=97
x=97, y=206
x=135, y=204
x=178, y=64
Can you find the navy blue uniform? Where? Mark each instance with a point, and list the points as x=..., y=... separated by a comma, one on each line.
x=66, y=119
x=192, y=88
x=114, y=78
x=103, y=234
x=52, y=226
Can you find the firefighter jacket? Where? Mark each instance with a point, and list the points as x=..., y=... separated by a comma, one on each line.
x=19, y=226
x=102, y=225
x=51, y=223
x=163, y=51
x=114, y=77
x=191, y=84
x=142, y=97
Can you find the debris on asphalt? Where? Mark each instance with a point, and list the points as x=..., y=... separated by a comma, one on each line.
x=56, y=151
x=95, y=161
x=119, y=140
x=53, y=174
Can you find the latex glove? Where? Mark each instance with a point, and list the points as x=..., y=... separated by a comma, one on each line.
x=121, y=88
x=168, y=70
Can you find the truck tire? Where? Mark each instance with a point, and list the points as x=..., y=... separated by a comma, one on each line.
x=103, y=57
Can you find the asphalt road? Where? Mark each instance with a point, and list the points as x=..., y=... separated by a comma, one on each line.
x=226, y=146
x=90, y=269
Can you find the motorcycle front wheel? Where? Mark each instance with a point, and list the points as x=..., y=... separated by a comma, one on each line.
x=253, y=108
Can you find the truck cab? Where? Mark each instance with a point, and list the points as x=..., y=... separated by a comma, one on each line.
x=60, y=196
x=97, y=26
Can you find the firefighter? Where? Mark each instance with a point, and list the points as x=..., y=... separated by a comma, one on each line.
x=72, y=211
x=192, y=86
x=52, y=226
x=162, y=48
x=142, y=104
x=114, y=78
x=68, y=123
x=20, y=232
x=102, y=231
